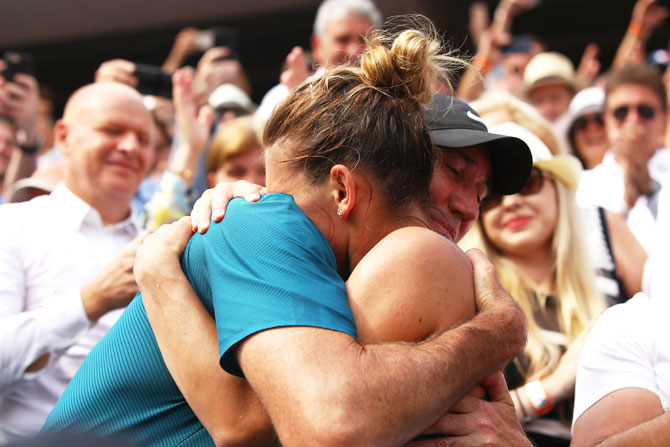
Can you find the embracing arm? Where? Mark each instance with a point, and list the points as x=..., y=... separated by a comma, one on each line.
x=186, y=335
x=322, y=388
x=630, y=416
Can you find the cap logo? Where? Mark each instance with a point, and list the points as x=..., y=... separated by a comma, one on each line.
x=474, y=117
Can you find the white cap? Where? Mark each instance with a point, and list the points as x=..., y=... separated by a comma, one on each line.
x=589, y=100
x=230, y=96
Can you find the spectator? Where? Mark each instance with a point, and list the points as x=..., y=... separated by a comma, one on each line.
x=627, y=180
x=235, y=154
x=340, y=27
x=19, y=100
x=534, y=241
x=66, y=258
x=550, y=84
x=358, y=146
x=614, y=252
x=7, y=146
x=586, y=129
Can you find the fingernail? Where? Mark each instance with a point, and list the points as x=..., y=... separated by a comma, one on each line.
x=203, y=224
x=217, y=213
x=254, y=196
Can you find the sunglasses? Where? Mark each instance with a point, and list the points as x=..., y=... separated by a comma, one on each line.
x=533, y=186
x=583, y=122
x=644, y=111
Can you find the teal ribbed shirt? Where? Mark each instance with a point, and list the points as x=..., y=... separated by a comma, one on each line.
x=265, y=265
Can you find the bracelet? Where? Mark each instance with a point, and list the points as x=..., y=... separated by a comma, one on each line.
x=526, y=417
x=635, y=28
x=538, y=397
x=482, y=63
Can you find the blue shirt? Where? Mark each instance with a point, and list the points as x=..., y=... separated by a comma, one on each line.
x=266, y=265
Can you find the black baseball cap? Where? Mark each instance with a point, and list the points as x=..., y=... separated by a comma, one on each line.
x=454, y=124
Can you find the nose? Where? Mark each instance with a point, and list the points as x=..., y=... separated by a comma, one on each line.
x=129, y=142
x=511, y=201
x=465, y=204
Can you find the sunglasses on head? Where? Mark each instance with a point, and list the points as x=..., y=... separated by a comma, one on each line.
x=583, y=122
x=644, y=111
x=533, y=186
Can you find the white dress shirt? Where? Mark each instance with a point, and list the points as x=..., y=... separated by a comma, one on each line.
x=49, y=247
x=604, y=186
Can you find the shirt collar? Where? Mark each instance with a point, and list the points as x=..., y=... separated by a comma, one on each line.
x=76, y=213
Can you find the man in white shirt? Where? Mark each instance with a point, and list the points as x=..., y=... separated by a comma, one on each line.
x=339, y=33
x=627, y=181
x=66, y=259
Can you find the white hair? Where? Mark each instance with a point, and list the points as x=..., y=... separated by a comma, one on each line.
x=333, y=10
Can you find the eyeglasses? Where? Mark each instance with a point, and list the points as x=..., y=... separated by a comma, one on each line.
x=533, y=186
x=583, y=122
x=644, y=111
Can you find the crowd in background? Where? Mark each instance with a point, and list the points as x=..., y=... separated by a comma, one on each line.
x=587, y=232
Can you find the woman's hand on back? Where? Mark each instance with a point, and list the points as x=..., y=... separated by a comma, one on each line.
x=158, y=256
x=213, y=202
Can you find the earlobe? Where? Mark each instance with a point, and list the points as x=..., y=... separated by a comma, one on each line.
x=343, y=190
x=60, y=137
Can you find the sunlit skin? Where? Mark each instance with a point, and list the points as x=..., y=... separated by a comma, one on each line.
x=6, y=146
x=249, y=166
x=460, y=180
x=342, y=42
x=551, y=100
x=591, y=142
x=523, y=224
x=633, y=95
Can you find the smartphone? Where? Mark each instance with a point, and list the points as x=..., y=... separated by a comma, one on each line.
x=153, y=81
x=218, y=37
x=18, y=62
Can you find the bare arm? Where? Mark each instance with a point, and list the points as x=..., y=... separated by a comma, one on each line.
x=410, y=286
x=630, y=416
x=186, y=335
x=322, y=388
x=647, y=15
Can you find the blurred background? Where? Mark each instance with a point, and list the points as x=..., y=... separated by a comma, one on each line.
x=70, y=38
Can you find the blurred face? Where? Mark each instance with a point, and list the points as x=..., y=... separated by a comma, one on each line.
x=342, y=41
x=460, y=180
x=551, y=100
x=249, y=166
x=109, y=144
x=523, y=223
x=635, y=110
x=590, y=138
x=6, y=146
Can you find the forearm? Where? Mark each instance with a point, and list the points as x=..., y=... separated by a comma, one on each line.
x=30, y=341
x=186, y=335
x=21, y=166
x=335, y=392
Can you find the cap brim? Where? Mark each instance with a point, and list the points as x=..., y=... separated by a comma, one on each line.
x=511, y=160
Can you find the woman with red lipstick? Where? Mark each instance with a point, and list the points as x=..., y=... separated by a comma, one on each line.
x=533, y=238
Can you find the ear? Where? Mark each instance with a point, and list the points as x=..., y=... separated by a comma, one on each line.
x=61, y=132
x=343, y=189
x=315, y=43
x=211, y=179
